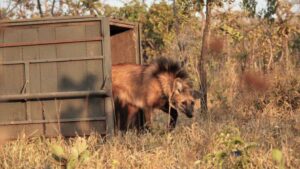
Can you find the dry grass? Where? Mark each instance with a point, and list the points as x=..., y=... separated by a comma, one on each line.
x=237, y=134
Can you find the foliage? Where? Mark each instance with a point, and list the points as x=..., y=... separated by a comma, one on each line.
x=250, y=6
x=134, y=11
x=285, y=96
x=78, y=154
x=277, y=157
x=272, y=6
x=232, y=150
x=159, y=32
x=235, y=34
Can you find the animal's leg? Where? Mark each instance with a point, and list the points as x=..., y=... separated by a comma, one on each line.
x=173, y=118
x=148, y=118
x=132, y=113
x=121, y=115
x=140, y=120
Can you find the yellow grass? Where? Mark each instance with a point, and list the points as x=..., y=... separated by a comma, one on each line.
x=241, y=133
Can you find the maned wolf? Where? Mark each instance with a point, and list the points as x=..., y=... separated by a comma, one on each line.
x=143, y=88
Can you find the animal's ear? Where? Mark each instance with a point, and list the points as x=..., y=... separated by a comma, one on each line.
x=178, y=86
x=196, y=94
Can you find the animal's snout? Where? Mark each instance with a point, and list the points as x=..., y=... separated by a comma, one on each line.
x=189, y=109
x=189, y=114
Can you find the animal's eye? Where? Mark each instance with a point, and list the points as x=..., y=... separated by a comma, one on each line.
x=193, y=103
x=184, y=103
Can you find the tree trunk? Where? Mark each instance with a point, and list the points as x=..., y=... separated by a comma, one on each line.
x=40, y=8
x=201, y=63
x=176, y=27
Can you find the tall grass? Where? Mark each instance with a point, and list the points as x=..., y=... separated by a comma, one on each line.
x=252, y=129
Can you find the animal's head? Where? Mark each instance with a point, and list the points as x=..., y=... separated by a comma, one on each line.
x=182, y=97
x=176, y=78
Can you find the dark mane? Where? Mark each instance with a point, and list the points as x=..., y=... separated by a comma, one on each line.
x=164, y=64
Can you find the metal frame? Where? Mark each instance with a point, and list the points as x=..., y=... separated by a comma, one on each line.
x=54, y=95
x=53, y=121
x=123, y=24
x=45, y=21
x=49, y=42
x=109, y=109
x=25, y=95
x=52, y=60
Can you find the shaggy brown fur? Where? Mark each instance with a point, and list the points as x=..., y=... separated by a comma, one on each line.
x=145, y=88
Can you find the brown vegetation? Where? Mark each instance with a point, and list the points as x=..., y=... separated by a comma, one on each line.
x=255, y=81
x=243, y=135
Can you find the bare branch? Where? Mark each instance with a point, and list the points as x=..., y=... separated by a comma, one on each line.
x=40, y=7
x=14, y=7
x=93, y=8
x=52, y=8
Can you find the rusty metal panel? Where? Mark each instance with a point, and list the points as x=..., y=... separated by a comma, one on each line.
x=123, y=48
x=93, y=81
x=12, y=54
x=13, y=79
x=57, y=77
x=12, y=35
x=70, y=78
x=15, y=111
x=125, y=42
x=139, y=54
x=92, y=30
x=48, y=71
x=93, y=49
